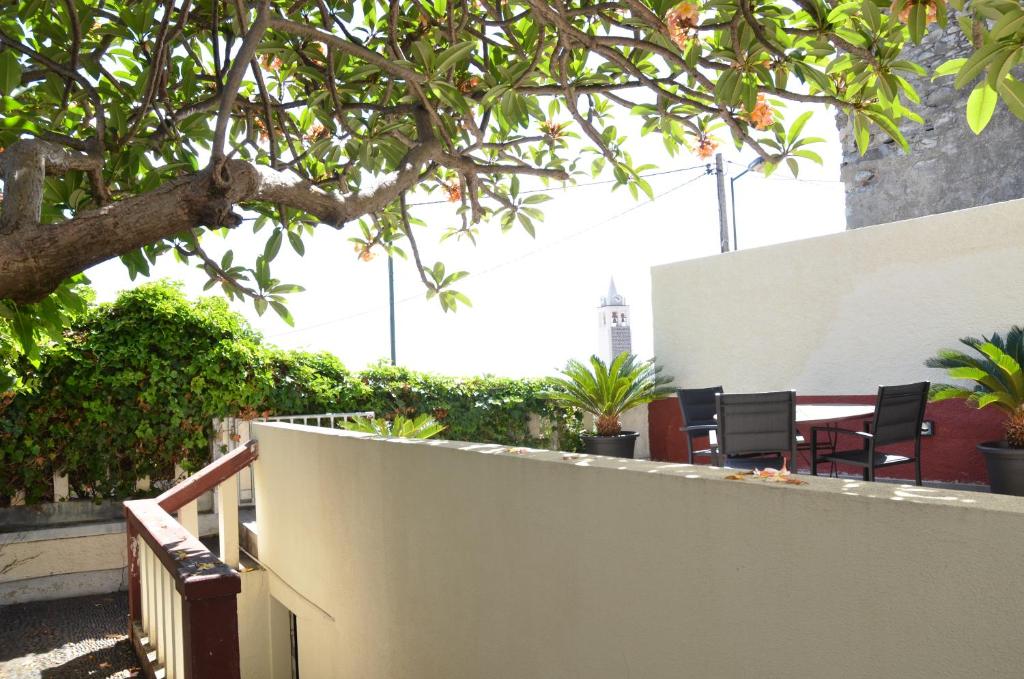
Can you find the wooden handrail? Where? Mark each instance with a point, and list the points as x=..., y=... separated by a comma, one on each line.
x=208, y=586
x=209, y=477
x=197, y=572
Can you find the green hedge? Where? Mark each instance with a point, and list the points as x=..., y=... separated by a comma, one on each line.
x=134, y=386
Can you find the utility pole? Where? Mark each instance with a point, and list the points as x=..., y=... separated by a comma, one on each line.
x=391, y=303
x=723, y=215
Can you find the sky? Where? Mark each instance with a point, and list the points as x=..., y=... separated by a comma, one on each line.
x=534, y=299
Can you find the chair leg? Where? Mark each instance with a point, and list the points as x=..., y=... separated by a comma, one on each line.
x=917, y=468
x=814, y=453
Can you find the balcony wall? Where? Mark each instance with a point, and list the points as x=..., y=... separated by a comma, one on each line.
x=447, y=560
x=836, y=316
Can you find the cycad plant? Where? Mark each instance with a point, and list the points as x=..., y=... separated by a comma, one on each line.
x=606, y=391
x=423, y=426
x=996, y=372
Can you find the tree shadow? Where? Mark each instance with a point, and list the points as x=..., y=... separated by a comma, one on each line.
x=114, y=661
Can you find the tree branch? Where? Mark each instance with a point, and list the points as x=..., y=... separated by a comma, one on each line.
x=24, y=166
x=230, y=92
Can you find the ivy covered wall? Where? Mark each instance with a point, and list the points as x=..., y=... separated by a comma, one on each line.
x=135, y=384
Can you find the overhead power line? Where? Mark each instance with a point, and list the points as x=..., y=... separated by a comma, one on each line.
x=774, y=178
x=513, y=260
x=581, y=185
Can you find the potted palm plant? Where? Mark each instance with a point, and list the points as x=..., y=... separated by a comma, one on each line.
x=606, y=391
x=995, y=369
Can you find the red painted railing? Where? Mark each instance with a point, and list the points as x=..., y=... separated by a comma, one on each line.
x=189, y=631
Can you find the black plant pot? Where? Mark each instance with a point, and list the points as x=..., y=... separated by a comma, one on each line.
x=612, y=446
x=1005, y=467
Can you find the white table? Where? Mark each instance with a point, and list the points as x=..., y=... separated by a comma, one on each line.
x=812, y=413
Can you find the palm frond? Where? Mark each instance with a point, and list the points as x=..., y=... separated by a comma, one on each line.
x=608, y=389
x=996, y=371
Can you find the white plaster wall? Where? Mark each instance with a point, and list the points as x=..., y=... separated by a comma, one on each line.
x=461, y=561
x=254, y=633
x=843, y=313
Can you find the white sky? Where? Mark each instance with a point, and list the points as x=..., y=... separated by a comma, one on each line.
x=534, y=300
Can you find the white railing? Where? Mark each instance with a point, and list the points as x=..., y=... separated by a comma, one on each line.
x=161, y=615
x=319, y=418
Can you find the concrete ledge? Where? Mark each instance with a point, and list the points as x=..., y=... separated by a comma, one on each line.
x=59, y=532
x=50, y=514
x=63, y=586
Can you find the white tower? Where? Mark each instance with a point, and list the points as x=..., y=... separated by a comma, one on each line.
x=613, y=325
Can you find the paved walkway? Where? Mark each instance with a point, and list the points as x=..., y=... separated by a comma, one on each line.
x=67, y=639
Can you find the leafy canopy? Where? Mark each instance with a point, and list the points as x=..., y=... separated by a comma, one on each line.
x=169, y=115
x=131, y=390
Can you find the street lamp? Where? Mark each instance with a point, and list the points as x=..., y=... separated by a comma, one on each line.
x=754, y=166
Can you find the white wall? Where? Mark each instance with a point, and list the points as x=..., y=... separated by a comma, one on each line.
x=462, y=561
x=841, y=314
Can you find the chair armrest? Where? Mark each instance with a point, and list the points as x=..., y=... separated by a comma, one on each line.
x=699, y=427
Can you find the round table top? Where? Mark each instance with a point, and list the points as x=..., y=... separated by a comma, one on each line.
x=829, y=412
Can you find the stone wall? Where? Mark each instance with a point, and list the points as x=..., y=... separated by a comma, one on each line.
x=948, y=167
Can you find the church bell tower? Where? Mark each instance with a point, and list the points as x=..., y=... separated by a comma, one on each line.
x=613, y=325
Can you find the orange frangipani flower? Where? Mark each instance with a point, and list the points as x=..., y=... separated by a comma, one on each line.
x=554, y=130
x=469, y=84
x=762, y=116
x=902, y=9
x=681, y=20
x=706, y=147
x=316, y=132
x=454, y=192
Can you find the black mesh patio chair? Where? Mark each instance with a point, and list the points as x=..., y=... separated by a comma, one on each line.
x=698, y=406
x=756, y=430
x=899, y=411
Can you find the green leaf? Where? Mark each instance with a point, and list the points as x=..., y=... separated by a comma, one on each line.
x=798, y=126
x=980, y=106
x=861, y=132
x=10, y=71
x=283, y=312
x=273, y=245
x=453, y=55
x=917, y=23
x=890, y=128
x=1012, y=93
x=977, y=62
x=869, y=10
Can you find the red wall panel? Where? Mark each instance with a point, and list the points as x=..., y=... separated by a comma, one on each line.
x=948, y=456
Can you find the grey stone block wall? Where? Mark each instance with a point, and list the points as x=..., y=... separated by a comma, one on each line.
x=948, y=167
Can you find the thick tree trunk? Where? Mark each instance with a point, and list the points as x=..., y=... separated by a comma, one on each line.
x=35, y=258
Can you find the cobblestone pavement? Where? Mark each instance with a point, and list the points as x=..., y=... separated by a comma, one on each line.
x=67, y=639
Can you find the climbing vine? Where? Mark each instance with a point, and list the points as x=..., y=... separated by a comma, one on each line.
x=131, y=389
